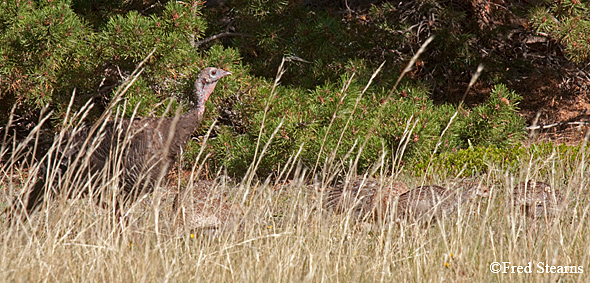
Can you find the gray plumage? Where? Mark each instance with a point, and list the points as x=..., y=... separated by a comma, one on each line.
x=364, y=198
x=429, y=203
x=537, y=199
x=204, y=208
x=139, y=151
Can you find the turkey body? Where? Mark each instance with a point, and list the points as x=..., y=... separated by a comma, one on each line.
x=202, y=207
x=364, y=198
x=425, y=203
x=430, y=203
x=138, y=151
x=538, y=200
x=134, y=152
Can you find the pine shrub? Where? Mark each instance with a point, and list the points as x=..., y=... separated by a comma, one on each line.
x=569, y=22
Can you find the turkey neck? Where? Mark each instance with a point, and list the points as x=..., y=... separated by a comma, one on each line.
x=189, y=122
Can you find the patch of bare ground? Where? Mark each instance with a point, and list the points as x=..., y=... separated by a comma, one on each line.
x=561, y=100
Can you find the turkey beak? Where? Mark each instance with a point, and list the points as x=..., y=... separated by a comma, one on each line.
x=224, y=74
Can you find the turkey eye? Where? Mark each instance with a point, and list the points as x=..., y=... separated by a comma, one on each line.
x=213, y=72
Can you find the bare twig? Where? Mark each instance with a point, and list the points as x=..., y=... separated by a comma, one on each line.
x=543, y=127
x=217, y=36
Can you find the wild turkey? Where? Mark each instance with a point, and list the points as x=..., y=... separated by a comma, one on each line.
x=537, y=199
x=429, y=203
x=365, y=198
x=139, y=151
x=203, y=208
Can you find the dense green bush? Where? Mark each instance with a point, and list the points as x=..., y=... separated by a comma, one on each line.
x=544, y=158
x=569, y=22
x=374, y=127
x=493, y=123
x=47, y=51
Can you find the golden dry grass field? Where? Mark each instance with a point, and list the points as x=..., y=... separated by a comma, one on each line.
x=283, y=234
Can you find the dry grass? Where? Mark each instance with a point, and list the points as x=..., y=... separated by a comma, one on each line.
x=285, y=235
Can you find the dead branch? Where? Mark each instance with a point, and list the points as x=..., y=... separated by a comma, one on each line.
x=544, y=127
x=223, y=34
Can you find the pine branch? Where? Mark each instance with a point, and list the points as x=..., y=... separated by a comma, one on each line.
x=544, y=127
x=217, y=36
